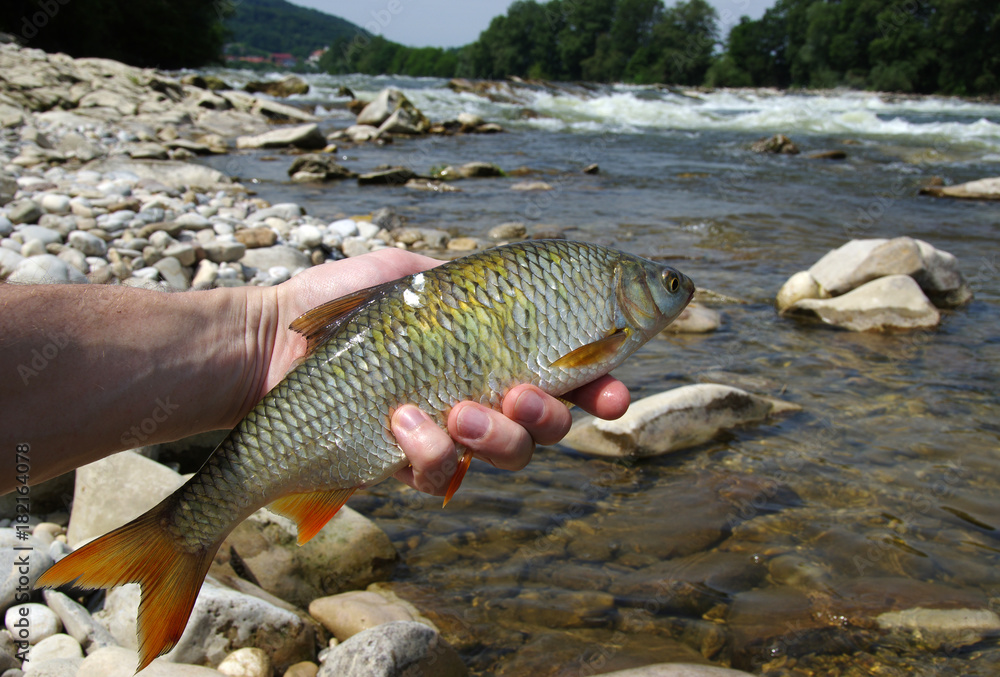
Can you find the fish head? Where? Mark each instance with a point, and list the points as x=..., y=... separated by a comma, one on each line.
x=651, y=295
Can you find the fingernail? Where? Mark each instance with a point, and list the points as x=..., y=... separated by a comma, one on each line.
x=529, y=407
x=409, y=418
x=473, y=423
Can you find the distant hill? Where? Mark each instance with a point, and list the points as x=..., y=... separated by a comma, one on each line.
x=279, y=26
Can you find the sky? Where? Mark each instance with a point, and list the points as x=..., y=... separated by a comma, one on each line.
x=450, y=23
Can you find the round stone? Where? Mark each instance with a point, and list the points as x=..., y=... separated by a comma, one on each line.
x=54, y=203
x=31, y=622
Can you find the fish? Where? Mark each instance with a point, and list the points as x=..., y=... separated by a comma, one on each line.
x=554, y=313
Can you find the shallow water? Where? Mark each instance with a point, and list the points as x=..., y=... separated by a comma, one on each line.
x=774, y=547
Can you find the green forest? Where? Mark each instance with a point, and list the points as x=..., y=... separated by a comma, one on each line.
x=922, y=46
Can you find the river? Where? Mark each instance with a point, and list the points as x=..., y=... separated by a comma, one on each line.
x=774, y=548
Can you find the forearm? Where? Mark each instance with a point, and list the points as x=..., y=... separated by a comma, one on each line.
x=88, y=370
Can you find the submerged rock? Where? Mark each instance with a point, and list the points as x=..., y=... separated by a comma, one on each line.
x=672, y=420
x=677, y=670
x=318, y=167
x=287, y=86
x=779, y=143
x=886, y=304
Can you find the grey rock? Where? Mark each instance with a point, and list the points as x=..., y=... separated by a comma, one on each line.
x=280, y=112
x=323, y=166
x=78, y=622
x=24, y=211
x=696, y=319
x=12, y=588
x=354, y=246
x=41, y=622
x=937, y=629
x=287, y=86
x=147, y=150
x=75, y=258
x=46, y=235
x=387, y=102
x=404, y=121
x=8, y=187
x=224, y=252
x=87, y=243
x=114, y=661
x=46, y=269
x=173, y=273
x=57, y=667
x=981, y=189
x=285, y=210
x=183, y=252
x=514, y=230
x=33, y=248
x=74, y=144
x=394, y=176
x=193, y=221
x=302, y=136
x=672, y=420
x=53, y=647
x=222, y=620
x=172, y=173
x=886, y=304
x=393, y=650
x=348, y=553
x=860, y=261
x=6, y=227
x=265, y=258
x=940, y=278
x=9, y=260
x=54, y=203
x=120, y=487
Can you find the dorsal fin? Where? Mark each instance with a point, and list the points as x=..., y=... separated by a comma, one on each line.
x=595, y=352
x=321, y=323
x=311, y=511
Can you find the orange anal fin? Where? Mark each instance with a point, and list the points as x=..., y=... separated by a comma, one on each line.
x=141, y=552
x=456, y=479
x=321, y=323
x=311, y=511
x=594, y=353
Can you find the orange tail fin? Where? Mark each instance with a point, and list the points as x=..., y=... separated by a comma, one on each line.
x=141, y=552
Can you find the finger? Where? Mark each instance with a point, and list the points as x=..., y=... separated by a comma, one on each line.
x=546, y=419
x=605, y=397
x=491, y=436
x=431, y=452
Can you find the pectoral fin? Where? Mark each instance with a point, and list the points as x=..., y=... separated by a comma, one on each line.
x=594, y=353
x=321, y=323
x=311, y=511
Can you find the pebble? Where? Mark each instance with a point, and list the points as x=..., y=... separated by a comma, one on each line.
x=87, y=243
x=31, y=622
x=246, y=662
x=55, y=646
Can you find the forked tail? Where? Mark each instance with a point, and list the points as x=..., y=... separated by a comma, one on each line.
x=141, y=552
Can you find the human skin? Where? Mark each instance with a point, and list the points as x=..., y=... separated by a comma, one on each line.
x=89, y=370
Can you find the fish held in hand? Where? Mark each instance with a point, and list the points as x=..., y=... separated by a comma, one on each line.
x=556, y=314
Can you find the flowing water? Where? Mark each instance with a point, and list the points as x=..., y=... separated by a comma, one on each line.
x=775, y=547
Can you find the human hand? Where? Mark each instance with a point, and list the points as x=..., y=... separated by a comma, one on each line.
x=504, y=439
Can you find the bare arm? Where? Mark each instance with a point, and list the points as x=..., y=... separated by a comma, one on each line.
x=88, y=370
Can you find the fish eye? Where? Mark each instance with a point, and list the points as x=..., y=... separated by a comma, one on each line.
x=670, y=281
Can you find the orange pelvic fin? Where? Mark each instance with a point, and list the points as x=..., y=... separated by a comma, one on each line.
x=141, y=552
x=311, y=511
x=456, y=479
x=594, y=353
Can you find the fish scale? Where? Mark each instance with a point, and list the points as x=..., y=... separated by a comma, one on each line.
x=555, y=314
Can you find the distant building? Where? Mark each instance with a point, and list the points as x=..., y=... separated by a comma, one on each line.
x=316, y=56
x=247, y=59
x=283, y=59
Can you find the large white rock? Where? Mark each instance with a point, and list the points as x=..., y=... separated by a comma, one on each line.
x=860, y=261
x=78, y=622
x=222, y=620
x=349, y=613
x=115, y=661
x=889, y=303
x=388, y=102
x=53, y=647
x=799, y=286
x=46, y=269
x=672, y=420
x=301, y=136
x=31, y=622
x=120, y=487
x=981, y=189
x=695, y=319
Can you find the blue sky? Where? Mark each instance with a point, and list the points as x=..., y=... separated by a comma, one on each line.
x=447, y=23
